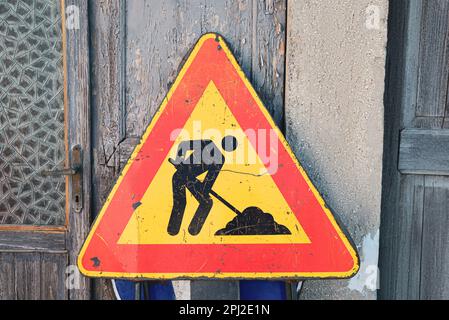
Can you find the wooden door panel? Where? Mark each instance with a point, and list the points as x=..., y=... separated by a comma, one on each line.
x=433, y=59
x=414, y=245
x=52, y=269
x=435, y=246
x=32, y=276
x=44, y=112
x=27, y=276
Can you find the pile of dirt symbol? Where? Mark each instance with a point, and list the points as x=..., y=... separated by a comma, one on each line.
x=253, y=221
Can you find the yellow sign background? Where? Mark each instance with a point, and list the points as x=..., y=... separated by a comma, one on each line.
x=241, y=183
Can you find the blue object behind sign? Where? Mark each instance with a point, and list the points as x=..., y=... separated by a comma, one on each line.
x=263, y=290
x=160, y=290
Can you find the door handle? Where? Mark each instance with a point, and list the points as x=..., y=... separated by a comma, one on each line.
x=75, y=171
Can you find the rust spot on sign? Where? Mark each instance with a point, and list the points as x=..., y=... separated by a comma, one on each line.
x=136, y=205
x=96, y=262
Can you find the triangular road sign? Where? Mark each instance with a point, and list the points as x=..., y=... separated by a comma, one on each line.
x=214, y=191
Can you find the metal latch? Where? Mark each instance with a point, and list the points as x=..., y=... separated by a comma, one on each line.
x=76, y=173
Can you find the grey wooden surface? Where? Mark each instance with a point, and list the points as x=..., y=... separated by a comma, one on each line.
x=19, y=241
x=32, y=276
x=433, y=59
x=414, y=239
x=142, y=45
x=7, y=278
x=108, y=108
x=79, y=115
x=435, y=246
x=424, y=152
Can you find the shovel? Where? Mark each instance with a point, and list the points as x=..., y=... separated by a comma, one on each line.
x=252, y=213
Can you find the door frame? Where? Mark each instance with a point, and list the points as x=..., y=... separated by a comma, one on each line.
x=77, y=86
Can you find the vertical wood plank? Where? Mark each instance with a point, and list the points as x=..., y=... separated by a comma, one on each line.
x=435, y=241
x=410, y=62
x=391, y=183
x=408, y=239
x=53, y=276
x=27, y=275
x=78, y=93
x=268, y=55
x=107, y=78
x=415, y=92
x=7, y=276
x=403, y=235
x=434, y=59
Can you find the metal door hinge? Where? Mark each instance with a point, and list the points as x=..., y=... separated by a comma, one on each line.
x=76, y=173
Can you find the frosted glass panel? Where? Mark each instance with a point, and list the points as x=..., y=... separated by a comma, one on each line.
x=31, y=113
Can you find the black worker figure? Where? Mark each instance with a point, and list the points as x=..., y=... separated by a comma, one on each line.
x=195, y=158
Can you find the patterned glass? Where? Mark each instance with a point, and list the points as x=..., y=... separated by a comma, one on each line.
x=31, y=113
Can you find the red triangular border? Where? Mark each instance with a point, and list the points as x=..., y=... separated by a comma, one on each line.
x=328, y=255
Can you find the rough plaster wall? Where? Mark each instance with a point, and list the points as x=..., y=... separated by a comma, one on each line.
x=334, y=118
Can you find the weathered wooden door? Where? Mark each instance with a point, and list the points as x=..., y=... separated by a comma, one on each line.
x=138, y=48
x=415, y=219
x=44, y=129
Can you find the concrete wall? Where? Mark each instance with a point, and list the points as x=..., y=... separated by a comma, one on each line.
x=334, y=119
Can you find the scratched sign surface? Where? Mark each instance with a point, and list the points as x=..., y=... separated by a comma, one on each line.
x=214, y=191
